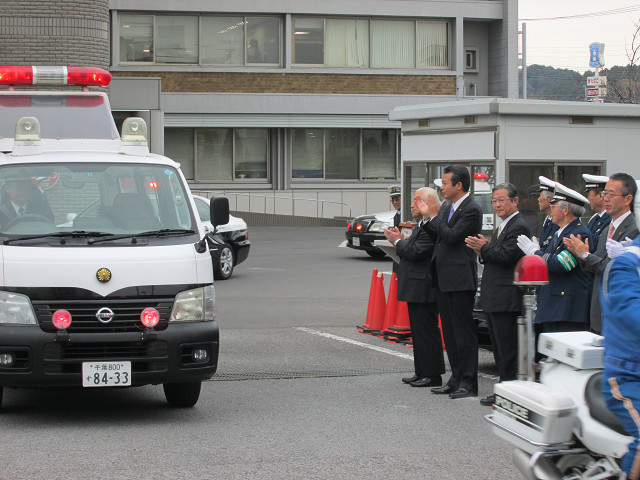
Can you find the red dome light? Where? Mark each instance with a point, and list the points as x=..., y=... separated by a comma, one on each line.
x=61, y=319
x=531, y=270
x=150, y=317
x=481, y=176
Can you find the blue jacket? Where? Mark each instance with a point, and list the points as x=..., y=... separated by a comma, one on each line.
x=598, y=225
x=620, y=300
x=548, y=231
x=566, y=298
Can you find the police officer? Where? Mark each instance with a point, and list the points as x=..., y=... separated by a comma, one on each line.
x=621, y=377
x=599, y=222
x=547, y=189
x=563, y=304
x=395, y=193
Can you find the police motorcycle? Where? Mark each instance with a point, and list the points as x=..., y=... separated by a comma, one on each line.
x=560, y=427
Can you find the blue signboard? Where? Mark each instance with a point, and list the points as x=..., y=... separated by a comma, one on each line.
x=596, y=55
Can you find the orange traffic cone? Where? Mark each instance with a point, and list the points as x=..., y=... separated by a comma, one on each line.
x=377, y=304
x=402, y=328
x=372, y=290
x=392, y=304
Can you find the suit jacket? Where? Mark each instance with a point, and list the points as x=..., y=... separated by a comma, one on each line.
x=414, y=269
x=597, y=262
x=499, y=256
x=454, y=266
x=566, y=298
x=598, y=225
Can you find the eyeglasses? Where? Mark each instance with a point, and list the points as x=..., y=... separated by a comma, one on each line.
x=500, y=200
x=610, y=194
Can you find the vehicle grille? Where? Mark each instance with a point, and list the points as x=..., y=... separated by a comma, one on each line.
x=83, y=314
x=63, y=358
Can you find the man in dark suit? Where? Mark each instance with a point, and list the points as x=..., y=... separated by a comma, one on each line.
x=563, y=304
x=415, y=287
x=618, y=194
x=454, y=268
x=599, y=222
x=21, y=198
x=499, y=298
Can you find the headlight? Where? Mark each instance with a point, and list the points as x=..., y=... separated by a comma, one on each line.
x=379, y=226
x=16, y=309
x=197, y=305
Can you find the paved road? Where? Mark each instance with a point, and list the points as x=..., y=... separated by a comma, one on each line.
x=299, y=393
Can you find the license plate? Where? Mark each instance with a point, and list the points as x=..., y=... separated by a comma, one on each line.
x=355, y=241
x=106, y=374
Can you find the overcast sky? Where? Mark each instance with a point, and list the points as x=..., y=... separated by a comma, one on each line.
x=564, y=43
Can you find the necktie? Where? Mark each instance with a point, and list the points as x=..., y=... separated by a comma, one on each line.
x=21, y=211
x=499, y=230
x=450, y=214
x=611, y=231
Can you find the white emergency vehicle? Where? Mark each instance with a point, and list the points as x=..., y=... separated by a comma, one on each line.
x=105, y=275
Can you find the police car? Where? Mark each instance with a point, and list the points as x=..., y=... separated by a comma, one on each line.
x=365, y=229
x=229, y=244
x=105, y=275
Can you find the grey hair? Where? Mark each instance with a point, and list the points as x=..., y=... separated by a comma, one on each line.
x=425, y=192
x=547, y=193
x=575, y=210
x=511, y=189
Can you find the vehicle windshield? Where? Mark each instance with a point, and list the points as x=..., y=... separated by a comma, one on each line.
x=102, y=198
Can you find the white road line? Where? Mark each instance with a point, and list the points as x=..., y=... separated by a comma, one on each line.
x=355, y=342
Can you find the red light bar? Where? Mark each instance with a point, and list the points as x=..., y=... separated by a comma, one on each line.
x=481, y=176
x=58, y=75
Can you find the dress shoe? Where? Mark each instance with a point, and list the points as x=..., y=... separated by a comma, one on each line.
x=442, y=390
x=487, y=402
x=426, y=382
x=410, y=379
x=463, y=392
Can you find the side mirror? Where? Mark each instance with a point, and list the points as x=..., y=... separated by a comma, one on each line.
x=219, y=211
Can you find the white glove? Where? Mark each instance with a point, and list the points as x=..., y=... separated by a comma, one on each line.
x=529, y=247
x=535, y=240
x=614, y=248
x=626, y=242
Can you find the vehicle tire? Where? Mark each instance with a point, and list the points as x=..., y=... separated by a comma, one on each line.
x=223, y=268
x=1, y=390
x=375, y=252
x=183, y=395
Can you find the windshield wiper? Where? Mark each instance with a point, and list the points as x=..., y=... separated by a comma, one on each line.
x=165, y=232
x=72, y=234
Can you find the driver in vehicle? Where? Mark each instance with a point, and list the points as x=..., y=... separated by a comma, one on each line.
x=21, y=197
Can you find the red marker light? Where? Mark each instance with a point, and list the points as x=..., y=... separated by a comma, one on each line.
x=88, y=76
x=61, y=319
x=348, y=226
x=481, y=176
x=358, y=227
x=150, y=317
x=16, y=75
x=152, y=184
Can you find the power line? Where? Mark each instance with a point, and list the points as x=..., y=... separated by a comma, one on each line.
x=615, y=11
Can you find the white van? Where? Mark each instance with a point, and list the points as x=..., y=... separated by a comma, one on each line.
x=105, y=275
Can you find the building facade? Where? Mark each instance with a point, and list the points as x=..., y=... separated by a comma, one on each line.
x=282, y=106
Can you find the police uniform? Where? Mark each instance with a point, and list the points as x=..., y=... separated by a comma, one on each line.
x=563, y=304
x=548, y=227
x=621, y=378
x=599, y=222
x=395, y=191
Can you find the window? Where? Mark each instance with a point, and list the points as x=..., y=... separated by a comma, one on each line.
x=220, y=154
x=471, y=59
x=525, y=177
x=344, y=153
x=177, y=39
x=375, y=43
x=136, y=38
x=200, y=39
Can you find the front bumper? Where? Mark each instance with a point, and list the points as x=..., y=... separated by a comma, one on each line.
x=55, y=360
x=365, y=240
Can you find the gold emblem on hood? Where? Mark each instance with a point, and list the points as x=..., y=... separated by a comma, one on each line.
x=103, y=275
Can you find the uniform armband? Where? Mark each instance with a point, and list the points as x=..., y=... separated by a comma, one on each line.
x=567, y=260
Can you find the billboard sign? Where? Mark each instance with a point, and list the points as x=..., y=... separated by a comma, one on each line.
x=596, y=55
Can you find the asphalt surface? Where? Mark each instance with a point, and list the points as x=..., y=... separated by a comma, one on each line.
x=299, y=393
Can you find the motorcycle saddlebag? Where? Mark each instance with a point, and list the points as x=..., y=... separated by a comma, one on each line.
x=533, y=416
